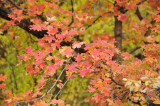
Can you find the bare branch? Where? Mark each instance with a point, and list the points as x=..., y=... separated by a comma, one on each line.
x=64, y=84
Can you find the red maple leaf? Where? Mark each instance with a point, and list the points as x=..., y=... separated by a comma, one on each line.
x=91, y=89
x=29, y=68
x=122, y=17
x=60, y=102
x=3, y=77
x=130, y=6
x=126, y=56
x=11, y=23
x=52, y=30
x=2, y=86
x=66, y=51
x=38, y=27
x=84, y=72
x=77, y=45
x=71, y=68
x=28, y=49
x=78, y=58
x=52, y=69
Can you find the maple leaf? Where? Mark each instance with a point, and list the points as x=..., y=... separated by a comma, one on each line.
x=126, y=56
x=52, y=69
x=51, y=19
x=60, y=85
x=59, y=102
x=66, y=51
x=12, y=16
x=122, y=17
x=27, y=93
x=49, y=58
x=28, y=49
x=78, y=58
x=3, y=77
x=97, y=97
x=31, y=1
x=49, y=50
x=38, y=27
x=56, y=44
x=119, y=102
x=42, y=103
x=30, y=69
x=11, y=23
x=72, y=32
x=49, y=38
x=59, y=61
x=60, y=36
x=42, y=65
x=71, y=68
x=84, y=72
x=77, y=45
x=16, y=11
x=2, y=86
x=39, y=7
x=52, y=30
x=91, y=89
x=130, y=6
x=42, y=80
x=107, y=80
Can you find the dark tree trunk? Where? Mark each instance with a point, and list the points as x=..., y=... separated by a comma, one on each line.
x=118, y=38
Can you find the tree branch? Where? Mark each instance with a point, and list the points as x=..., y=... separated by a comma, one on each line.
x=24, y=24
x=94, y=21
x=149, y=28
x=13, y=4
x=51, y=88
x=111, y=77
x=139, y=14
x=135, y=49
x=72, y=13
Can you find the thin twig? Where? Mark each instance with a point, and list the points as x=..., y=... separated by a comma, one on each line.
x=64, y=84
x=47, y=91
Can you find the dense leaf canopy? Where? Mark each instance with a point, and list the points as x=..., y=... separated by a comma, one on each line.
x=79, y=52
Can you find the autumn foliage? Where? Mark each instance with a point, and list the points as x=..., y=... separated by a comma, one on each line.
x=117, y=76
